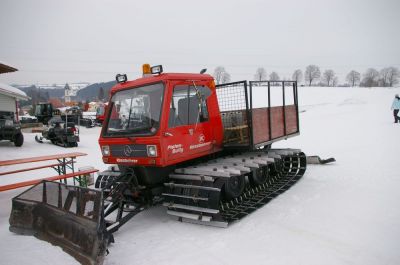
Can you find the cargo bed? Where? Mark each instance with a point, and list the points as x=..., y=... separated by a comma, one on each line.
x=258, y=113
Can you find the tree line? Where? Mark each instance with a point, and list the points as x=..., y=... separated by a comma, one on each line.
x=386, y=77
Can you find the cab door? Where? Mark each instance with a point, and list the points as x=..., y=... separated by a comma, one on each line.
x=189, y=132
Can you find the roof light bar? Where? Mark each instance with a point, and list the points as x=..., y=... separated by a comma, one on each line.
x=121, y=78
x=157, y=69
x=146, y=69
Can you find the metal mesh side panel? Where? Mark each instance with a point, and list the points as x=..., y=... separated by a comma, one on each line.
x=88, y=210
x=52, y=193
x=232, y=104
x=66, y=198
x=33, y=194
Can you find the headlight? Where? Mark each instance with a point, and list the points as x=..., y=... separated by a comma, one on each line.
x=152, y=150
x=105, y=149
x=156, y=69
x=121, y=78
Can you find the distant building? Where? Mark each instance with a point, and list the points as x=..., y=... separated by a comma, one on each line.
x=69, y=93
x=9, y=96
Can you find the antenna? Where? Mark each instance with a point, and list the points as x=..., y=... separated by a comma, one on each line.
x=203, y=70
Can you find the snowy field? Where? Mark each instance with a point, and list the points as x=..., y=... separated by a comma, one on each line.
x=343, y=213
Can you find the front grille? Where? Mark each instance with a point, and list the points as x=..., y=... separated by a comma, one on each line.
x=129, y=150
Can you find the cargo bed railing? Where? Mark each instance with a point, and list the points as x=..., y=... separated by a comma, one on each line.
x=258, y=113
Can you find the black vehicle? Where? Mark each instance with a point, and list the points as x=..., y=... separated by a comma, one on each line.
x=10, y=129
x=60, y=133
x=45, y=112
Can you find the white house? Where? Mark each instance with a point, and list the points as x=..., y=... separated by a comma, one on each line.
x=9, y=96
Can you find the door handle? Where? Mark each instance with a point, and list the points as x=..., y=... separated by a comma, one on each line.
x=168, y=134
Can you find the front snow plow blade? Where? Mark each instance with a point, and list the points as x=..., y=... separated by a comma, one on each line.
x=67, y=216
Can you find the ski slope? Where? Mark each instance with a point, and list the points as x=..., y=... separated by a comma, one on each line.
x=342, y=213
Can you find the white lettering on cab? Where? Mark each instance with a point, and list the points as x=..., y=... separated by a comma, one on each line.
x=175, y=148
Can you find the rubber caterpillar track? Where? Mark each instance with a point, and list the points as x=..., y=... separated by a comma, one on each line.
x=197, y=194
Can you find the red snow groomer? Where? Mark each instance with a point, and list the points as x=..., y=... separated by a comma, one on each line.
x=177, y=139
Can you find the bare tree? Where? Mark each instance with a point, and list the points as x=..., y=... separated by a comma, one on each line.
x=100, y=96
x=312, y=74
x=219, y=73
x=261, y=74
x=226, y=78
x=274, y=76
x=335, y=81
x=297, y=75
x=370, y=78
x=389, y=76
x=383, y=77
x=353, y=77
x=328, y=76
x=393, y=77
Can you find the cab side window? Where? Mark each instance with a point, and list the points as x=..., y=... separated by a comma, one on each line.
x=188, y=106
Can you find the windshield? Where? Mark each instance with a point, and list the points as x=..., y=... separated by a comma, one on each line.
x=100, y=110
x=136, y=111
x=43, y=109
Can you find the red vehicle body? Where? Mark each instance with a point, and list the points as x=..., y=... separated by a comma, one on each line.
x=173, y=145
x=208, y=133
x=153, y=102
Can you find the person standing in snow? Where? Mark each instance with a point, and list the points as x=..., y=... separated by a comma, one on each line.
x=396, y=108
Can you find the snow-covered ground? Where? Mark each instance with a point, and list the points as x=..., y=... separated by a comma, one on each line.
x=343, y=213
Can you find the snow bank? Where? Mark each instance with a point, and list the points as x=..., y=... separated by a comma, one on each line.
x=342, y=213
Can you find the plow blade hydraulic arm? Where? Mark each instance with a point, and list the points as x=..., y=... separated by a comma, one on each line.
x=67, y=216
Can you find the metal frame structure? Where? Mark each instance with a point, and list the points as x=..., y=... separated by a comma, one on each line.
x=65, y=162
x=44, y=208
x=242, y=92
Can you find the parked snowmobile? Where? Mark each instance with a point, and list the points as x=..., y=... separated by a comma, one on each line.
x=203, y=150
x=60, y=133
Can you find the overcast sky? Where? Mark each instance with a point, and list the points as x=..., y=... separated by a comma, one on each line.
x=69, y=41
